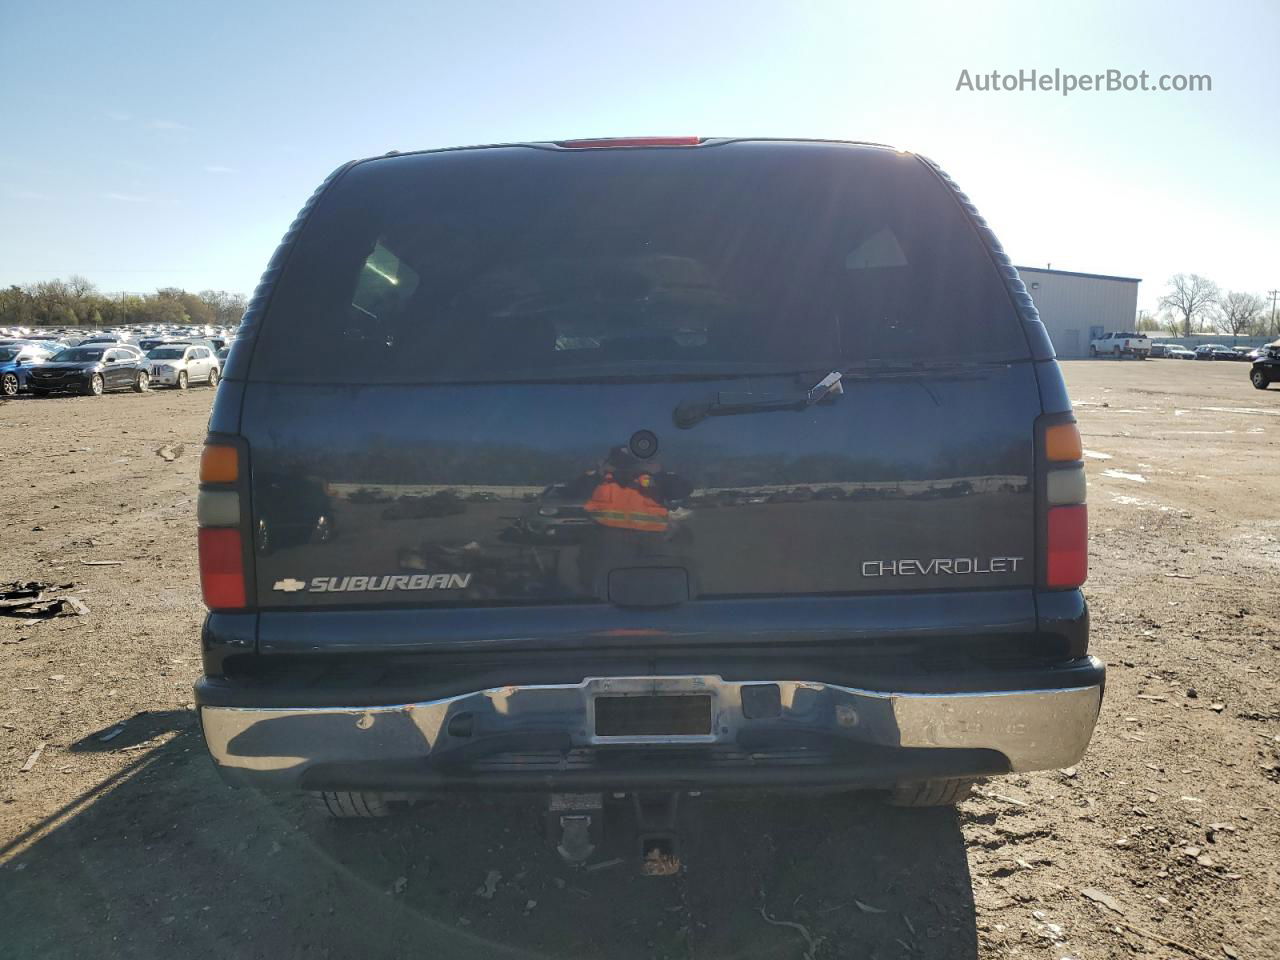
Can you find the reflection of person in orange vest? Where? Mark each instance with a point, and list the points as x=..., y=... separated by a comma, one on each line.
x=631, y=509
x=627, y=502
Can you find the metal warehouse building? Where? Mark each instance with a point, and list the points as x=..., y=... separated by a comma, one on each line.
x=1077, y=307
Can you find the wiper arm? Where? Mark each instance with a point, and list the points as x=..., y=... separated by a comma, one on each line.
x=726, y=404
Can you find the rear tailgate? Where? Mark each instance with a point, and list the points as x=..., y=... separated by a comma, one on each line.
x=483, y=494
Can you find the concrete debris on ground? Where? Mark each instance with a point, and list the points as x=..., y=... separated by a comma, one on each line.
x=28, y=600
x=1098, y=896
x=31, y=760
x=169, y=453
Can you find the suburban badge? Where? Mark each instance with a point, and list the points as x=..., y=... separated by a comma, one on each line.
x=421, y=581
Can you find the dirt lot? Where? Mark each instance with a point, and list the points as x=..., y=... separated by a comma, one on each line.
x=129, y=845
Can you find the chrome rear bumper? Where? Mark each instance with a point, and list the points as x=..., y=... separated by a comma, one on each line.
x=277, y=747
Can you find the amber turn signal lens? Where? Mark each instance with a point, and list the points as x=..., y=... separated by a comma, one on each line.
x=1062, y=443
x=219, y=464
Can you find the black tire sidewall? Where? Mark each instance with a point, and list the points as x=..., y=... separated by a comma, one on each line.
x=183, y=381
x=97, y=385
x=7, y=380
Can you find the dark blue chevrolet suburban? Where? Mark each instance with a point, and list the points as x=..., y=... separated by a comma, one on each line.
x=653, y=466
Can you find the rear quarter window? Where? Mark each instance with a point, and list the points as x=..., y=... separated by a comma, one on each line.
x=525, y=263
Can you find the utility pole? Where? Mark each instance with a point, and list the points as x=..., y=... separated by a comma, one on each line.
x=1273, y=294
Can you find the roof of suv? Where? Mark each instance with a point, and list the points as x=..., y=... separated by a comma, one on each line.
x=633, y=143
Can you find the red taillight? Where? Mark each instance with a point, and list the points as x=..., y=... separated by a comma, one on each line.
x=632, y=142
x=1067, y=546
x=221, y=568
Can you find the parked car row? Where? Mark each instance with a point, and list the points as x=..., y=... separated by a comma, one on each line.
x=1172, y=351
x=94, y=367
x=143, y=336
x=1206, y=351
x=1216, y=351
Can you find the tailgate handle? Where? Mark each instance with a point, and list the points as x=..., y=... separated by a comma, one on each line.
x=649, y=586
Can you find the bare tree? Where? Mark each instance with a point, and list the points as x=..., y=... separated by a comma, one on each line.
x=80, y=287
x=227, y=307
x=1190, y=298
x=1239, y=312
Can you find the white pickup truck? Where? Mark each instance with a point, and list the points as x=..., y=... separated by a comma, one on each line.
x=1120, y=345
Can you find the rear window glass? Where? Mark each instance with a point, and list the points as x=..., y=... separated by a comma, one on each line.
x=519, y=263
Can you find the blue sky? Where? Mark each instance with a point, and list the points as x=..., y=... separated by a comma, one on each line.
x=157, y=143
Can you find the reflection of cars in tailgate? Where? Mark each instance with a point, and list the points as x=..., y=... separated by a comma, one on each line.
x=293, y=511
x=558, y=514
x=823, y=338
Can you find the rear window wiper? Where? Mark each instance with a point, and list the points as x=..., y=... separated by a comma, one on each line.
x=727, y=404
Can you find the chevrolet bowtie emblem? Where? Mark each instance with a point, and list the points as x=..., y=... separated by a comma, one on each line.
x=289, y=585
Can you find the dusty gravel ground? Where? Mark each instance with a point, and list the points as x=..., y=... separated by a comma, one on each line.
x=130, y=846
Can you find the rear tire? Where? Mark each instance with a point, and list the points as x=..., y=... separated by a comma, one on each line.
x=1259, y=379
x=345, y=805
x=930, y=793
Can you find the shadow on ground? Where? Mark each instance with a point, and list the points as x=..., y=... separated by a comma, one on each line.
x=164, y=861
x=135, y=732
